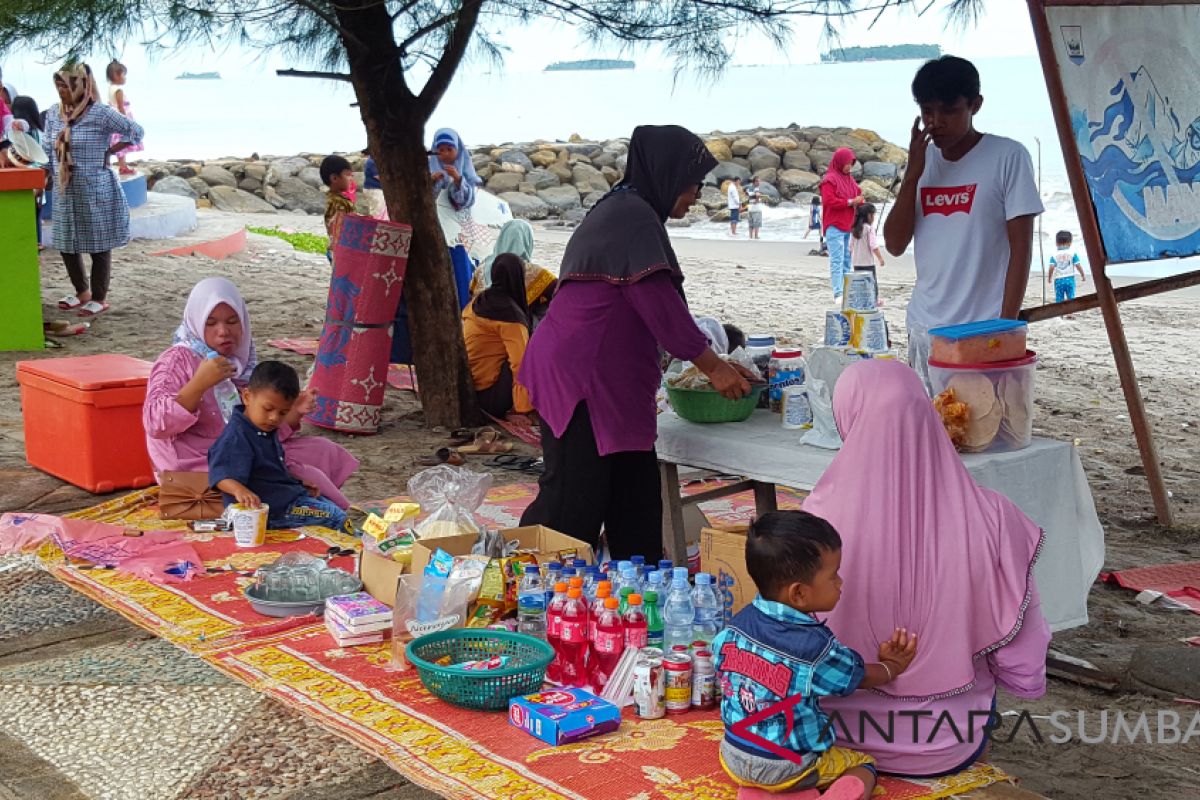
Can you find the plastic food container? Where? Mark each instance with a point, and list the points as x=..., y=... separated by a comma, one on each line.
x=986, y=342
x=999, y=399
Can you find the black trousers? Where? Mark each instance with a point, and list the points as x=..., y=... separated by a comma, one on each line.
x=497, y=399
x=582, y=492
x=101, y=267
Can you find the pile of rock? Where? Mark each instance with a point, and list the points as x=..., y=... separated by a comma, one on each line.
x=556, y=179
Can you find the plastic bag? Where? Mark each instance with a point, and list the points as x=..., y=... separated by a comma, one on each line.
x=490, y=544
x=452, y=495
x=824, y=431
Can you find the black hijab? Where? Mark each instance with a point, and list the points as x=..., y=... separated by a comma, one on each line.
x=504, y=300
x=624, y=237
x=25, y=108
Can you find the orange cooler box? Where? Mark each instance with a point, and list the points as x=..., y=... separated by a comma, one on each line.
x=83, y=420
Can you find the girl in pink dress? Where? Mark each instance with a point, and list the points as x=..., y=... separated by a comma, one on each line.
x=927, y=549
x=119, y=100
x=194, y=385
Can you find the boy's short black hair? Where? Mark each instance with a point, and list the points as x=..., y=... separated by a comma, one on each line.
x=945, y=80
x=275, y=375
x=1062, y=237
x=333, y=165
x=816, y=201
x=783, y=547
x=735, y=336
x=114, y=69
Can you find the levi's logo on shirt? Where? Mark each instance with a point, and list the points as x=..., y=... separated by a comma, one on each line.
x=947, y=199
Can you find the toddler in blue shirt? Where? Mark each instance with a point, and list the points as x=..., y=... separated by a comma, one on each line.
x=247, y=465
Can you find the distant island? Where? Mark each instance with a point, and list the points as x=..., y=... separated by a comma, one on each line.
x=891, y=52
x=591, y=63
x=198, y=76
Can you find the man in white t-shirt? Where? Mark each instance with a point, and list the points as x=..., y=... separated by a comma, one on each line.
x=733, y=197
x=969, y=200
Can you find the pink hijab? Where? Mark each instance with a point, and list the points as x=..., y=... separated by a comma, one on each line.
x=925, y=547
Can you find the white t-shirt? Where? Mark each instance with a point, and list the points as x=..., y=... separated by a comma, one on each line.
x=961, y=239
x=733, y=197
x=1063, y=263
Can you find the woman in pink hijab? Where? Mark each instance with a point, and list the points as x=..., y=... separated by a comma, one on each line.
x=840, y=196
x=194, y=385
x=927, y=549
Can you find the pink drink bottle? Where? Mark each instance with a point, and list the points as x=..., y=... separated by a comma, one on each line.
x=636, y=633
x=609, y=644
x=553, y=629
x=572, y=640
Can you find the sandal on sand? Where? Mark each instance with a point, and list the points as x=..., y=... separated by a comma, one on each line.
x=460, y=436
x=443, y=455
x=69, y=302
x=92, y=308
x=487, y=442
x=61, y=327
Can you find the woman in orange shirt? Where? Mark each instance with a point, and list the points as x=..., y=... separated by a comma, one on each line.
x=496, y=330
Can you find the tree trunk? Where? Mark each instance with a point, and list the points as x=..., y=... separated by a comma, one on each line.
x=396, y=136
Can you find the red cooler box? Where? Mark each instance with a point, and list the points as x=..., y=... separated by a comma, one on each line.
x=83, y=420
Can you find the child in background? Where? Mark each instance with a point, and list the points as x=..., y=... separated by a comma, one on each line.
x=25, y=110
x=337, y=174
x=734, y=335
x=117, y=98
x=793, y=558
x=373, y=189
x=864, y=247
x=1063, y=266
x=246, y=463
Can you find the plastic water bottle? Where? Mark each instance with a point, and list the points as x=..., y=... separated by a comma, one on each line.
x=433, y=586
x=554, y=629
x=531, y=603
x=654, y=622
x=636, y=632
x=225, y=392
x=591, y=580
x=639, y=564
x=580, y=566
x=607, y=645
x=708, y=609
x=666, y=565
x=595, y=607
x=572, y=642
x=553, y=575
x=629, y=579
x=679, y=615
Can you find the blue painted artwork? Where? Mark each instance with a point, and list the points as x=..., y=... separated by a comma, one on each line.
x=1133, y=90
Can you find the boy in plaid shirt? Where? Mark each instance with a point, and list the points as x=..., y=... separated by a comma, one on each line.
x=775, y=660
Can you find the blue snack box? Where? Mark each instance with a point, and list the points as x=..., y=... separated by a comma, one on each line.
x=562, y=716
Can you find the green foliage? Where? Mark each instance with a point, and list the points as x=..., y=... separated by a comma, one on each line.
x=891, y=52
x=304, y=242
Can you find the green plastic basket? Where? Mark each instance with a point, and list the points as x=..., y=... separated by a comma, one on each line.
x=486, y=690
x=706, y=405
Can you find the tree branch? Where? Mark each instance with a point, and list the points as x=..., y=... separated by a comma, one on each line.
x=423, y=31
x=456, y=47
x=331, y=21
x=303, y=73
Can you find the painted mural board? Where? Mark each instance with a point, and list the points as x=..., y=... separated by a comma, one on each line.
x=1131, y=75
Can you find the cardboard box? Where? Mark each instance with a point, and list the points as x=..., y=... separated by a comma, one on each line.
x=379, y=575
x=562, y=716
x=723, y=554
x=532, y=537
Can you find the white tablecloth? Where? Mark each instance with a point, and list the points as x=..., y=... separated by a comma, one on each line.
x=1045, y=480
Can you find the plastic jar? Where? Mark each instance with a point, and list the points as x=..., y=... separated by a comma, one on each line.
x=760, y=346
x=787, y=369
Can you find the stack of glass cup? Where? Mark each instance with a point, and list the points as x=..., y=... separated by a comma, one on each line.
x=301, y=578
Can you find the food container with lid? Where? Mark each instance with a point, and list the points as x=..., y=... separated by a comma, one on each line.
x=983, y=342
x=998, y=400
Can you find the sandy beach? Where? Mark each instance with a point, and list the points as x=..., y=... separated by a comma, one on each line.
x=777, y=288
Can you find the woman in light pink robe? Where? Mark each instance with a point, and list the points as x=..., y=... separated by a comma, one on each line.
x=193, y=387
x=927, y=549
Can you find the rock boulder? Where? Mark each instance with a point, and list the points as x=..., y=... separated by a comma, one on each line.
x=743, y=145
x=503, y=182
x=543, y=158
x=781, y=144
x=728, y=171
x=879, y=169
x=227, y=198
x=299, y=196
x=588, y=179
x=285, y=168
x=720, y=149
x=217, y=176
x=542, y=179
x=762, y=158
x=516, y=157
x=561, y=198
x=792, y=181
x=175, y=186
x=524, y=206
x=797, y=159
x=311, y=176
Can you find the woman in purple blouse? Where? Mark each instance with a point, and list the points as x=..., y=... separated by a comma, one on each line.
x=592, y=366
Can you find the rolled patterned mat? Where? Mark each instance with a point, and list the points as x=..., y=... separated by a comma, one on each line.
x=369, y=260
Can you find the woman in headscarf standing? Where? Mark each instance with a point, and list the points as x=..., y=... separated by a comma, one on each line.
x=193, y=388
x=90, y=212
x=592, y=367
x=936, y=554
x=840, y=196
x=516, y=237
x=496, y=328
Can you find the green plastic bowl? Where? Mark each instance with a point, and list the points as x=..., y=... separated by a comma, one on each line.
x=706, y=405
x=486, y=690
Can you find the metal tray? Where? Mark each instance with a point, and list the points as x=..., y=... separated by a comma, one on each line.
x=275, y=608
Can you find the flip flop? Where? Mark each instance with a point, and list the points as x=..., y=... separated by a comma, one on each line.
x=92, y=308
x=460, y=436
x=69, y=302
x=487, y=442
x=503, y=461
x=63, y=328
x=443, y=455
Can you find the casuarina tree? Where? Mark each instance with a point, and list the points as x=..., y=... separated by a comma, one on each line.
x=400, y=56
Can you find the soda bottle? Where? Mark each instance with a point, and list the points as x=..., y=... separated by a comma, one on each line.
x=608, y=644
x=654, y=622
x=596, y=607
x=531, y=603
x=572, y=642
x=679, y=615
x=709, y=620
x=626, y=591
x=554, y=628
x=636, y=634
